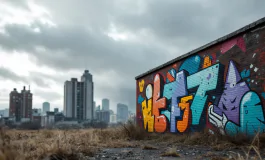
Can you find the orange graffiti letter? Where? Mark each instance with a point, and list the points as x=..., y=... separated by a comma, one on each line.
x=184, y=105
x=207, y=62
x=159, y=103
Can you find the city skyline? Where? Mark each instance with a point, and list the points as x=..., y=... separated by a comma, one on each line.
x=112, y=107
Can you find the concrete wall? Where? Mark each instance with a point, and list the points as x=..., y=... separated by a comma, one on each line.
x=220, y=85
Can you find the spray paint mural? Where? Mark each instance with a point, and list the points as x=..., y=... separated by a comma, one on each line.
x=221, y=87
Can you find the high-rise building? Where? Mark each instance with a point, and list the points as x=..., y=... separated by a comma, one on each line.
x=122, y=112
x=105, y=104
x=78, y=97
x=88, y=94
x=20, y=104
x=45, y=107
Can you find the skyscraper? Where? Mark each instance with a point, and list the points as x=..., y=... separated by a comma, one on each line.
x=88, y=94
x=20, y=104
x=78, y=97
x=105, y=104
x=45, y=107
x=122, y=112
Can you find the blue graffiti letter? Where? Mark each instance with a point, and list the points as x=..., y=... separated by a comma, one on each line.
x=206, y=80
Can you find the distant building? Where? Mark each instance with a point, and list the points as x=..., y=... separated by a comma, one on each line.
x=45, y=108
x=78, y=97
x=25, y=120
x=58, y=117
x=94, y=110
x=4, y=112
x=56, y=110
x=20, y=104
x=35, y=112
x=48, y=119
x=36, y=115
x=103, y=116
x=98, y=108
x=36, y=118
x=113, y=118
x=111, y=112
x=122, y=112
x=39, y=110
x=105, y=104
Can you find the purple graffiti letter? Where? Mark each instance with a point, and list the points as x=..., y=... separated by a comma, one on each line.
x=233, y=92
x=181, y=90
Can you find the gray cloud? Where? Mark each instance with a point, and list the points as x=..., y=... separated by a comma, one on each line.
x=192, y=22
x=40, y=82
x=66, y=48
x=79, y=41
x=17, y=3
x=47, y=95
x=6, y=74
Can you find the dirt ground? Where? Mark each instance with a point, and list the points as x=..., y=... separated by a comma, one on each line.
x=177, y=151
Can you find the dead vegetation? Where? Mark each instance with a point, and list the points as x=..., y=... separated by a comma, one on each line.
x=149, y=147
x=77, y=144
x=171, y=152
x=59, y=144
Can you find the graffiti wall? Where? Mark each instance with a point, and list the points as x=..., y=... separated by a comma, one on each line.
x=221, y=87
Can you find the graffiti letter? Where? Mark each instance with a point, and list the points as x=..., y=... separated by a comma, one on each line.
x=180, y=91
x=159, y=103
x=147, y=110
x=215, y=119
x=185, y=106
x=207, y=62
x=206, y=80
x=251, y=116
x=234, y=89
x=191, y=64
x=141, y=85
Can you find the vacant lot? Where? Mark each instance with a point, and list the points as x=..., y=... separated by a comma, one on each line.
x=125, y=142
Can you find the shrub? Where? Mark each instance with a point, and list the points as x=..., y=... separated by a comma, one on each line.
x=133, y=131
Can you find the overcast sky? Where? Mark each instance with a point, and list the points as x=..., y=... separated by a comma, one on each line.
x=46, y=42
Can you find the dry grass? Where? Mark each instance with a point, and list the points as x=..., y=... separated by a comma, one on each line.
x=171, y=152
x=70, y=144
x=75, y=144
x=149, y=147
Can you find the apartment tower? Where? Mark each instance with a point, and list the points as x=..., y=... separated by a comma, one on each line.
x=20, y=104
x=78, y=97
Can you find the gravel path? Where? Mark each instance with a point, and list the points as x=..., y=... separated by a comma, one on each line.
x=184, y=152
